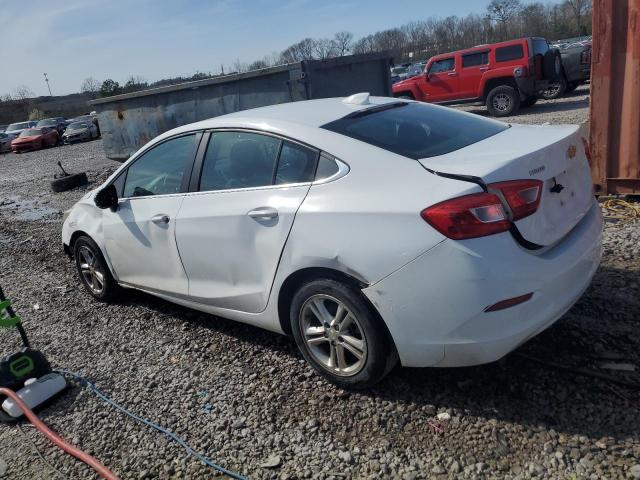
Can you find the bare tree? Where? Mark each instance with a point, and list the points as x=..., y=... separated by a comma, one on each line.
x=502, y=11
x=90, y=86
x=324, y=48
x=258, y=64
x=579, y=8
x=23, y=93
x=343, y=41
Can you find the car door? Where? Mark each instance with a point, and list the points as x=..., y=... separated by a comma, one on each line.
x=442, y=80
x=473, y=66
x=231, y=230
x=140, y=235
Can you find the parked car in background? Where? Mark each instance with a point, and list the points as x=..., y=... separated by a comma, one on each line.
x=3, y=128
x=398, y=74
x=5, y=142
x=80, y=132
x=35, y=138
x=59, y=123
x=576, y=69
x=16, y=129
x=416, y=69
x=504, y=76
x=374, y=230
x=87, y=118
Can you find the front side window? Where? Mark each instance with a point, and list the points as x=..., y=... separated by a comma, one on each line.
x=512, y=52
x=475, y=59
x=417, y=130
x=444, y=65
x=160, y=171
x=239, y=160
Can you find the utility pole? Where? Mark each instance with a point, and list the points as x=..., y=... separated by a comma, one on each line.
x=47, y=80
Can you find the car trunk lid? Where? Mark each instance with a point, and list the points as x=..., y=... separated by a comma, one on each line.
x=554, y=155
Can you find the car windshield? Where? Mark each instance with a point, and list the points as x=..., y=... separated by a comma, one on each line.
x=416, y=130
x=77, y=125
x=31, y=132
x=49, y=122
x=17, y=126
x=398, y=70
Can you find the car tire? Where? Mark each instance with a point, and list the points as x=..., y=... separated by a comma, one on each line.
x=70, y=181
x=555, y=89
x=92, y=267
x=529, y=102
x=503, y=101
x=351, y=350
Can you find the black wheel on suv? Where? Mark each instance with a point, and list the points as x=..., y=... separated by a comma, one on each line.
x=503, y=101
x=339, y=335
x=555, y=89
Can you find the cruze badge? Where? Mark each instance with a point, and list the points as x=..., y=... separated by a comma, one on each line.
x=539, y=169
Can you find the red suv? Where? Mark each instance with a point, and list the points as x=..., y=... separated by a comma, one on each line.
x=504, y=76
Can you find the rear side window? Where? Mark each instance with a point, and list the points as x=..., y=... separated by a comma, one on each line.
x=444, y=65
x=512, y=52
x=540, y=46
x=239, y=160
x=416, y=130
x=475, y=59
x=296, y=164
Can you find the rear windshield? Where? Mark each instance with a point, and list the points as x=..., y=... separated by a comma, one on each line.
x=416, y=130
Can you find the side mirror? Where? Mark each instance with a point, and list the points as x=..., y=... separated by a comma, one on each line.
x=107, y=198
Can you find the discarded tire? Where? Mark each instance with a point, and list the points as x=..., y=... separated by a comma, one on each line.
x=70, y=181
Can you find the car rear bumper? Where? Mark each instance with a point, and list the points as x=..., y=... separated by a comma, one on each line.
x=434, y=306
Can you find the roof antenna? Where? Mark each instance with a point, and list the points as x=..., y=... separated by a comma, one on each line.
x=357, y=99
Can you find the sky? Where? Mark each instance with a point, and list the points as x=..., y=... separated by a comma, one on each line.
x=71, y=40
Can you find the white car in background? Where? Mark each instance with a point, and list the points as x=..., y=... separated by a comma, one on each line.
x=15, y=129
x=374, y=230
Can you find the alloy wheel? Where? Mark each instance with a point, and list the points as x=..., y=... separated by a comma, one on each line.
x=502, y=102
x=91, y=269
x=552, y=90
x=333, y=335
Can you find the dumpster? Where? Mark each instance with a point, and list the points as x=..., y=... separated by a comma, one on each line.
x=615, y=97
x=129, y=121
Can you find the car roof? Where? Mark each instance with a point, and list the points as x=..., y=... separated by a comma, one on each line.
x=310, y=113
x=484, y=47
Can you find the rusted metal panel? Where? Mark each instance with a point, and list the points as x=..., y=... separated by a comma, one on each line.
x=129, y=121
x=615, y=97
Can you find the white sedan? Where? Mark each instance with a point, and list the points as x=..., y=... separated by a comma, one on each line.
x=374, y=230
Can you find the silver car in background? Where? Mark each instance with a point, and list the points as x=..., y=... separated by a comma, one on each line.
x=5, y=142
x=80, y=132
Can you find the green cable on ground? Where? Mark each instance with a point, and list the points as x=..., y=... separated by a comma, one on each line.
x=5, y=320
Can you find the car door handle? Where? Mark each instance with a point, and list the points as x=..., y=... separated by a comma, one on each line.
x=484, y=69
x=264, y=213
x=160, y=219
x=452, y=74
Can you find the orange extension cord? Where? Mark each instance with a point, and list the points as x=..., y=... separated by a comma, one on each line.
x=103, y=471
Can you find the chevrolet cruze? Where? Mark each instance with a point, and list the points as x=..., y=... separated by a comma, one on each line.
x=373, y=230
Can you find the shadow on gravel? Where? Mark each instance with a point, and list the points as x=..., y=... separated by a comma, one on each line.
x=513, y=389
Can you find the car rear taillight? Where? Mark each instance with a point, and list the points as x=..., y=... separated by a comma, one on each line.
x=482, y=214
x=470, y=216
x=523, y=196
x=585, y=57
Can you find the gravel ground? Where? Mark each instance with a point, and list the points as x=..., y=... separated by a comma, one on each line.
x=245, y=398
